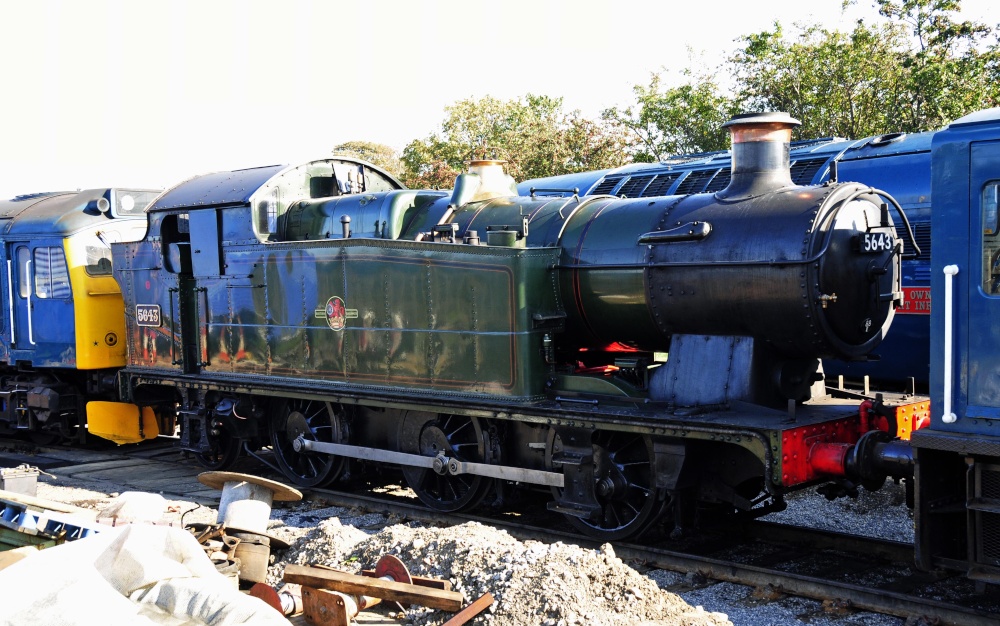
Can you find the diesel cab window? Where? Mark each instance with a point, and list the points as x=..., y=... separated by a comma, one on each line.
x=51, y=275
x=991, y=241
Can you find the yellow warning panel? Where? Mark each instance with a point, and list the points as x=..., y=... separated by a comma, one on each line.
x=120, y=422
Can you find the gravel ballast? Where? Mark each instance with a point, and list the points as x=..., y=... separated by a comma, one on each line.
x=535, y=583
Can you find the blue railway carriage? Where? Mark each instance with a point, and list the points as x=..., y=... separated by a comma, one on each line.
x=957, y=458
x=897, y=163
x=62, y=318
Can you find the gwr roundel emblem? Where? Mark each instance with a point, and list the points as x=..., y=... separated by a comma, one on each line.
x=336, y=313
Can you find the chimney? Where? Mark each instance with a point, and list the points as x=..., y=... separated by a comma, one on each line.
x=760, y=154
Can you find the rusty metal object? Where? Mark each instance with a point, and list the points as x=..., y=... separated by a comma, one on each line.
x=267, y=594
x=335, y=607
x=382, y=587
x=323, y=607
x=474, y=609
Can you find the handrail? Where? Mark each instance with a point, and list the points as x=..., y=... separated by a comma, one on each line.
x=949, y=276
x=10, y=300
x=31, y=333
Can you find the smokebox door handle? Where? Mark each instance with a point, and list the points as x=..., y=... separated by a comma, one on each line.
x=692, y=231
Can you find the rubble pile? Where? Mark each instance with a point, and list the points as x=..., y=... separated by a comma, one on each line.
x=533, y=583
x=329, y=543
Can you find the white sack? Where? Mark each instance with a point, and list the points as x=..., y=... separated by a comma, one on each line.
x=134, y=575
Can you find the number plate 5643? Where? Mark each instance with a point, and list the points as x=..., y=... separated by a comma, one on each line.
x=876, y=242
x=147, y=314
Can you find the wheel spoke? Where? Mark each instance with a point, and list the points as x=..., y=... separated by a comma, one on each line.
x=625, y=467
x=461, y=427
x=455, y=436
x=625, y=444
x=223, y=452
x=312, y=420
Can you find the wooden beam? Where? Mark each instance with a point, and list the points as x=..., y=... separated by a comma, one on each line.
x=48, y=505
x=318, y=578
x=436, y=583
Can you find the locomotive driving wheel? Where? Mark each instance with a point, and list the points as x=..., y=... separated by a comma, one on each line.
x=224, y=447
x=314, y=420
x=624, y=485
x=456, y=437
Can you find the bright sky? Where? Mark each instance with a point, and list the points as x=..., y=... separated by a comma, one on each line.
x=138, y=93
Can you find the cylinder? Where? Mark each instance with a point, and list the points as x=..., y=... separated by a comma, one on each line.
x=829, y=458
x=246, y=506
x=254, y=554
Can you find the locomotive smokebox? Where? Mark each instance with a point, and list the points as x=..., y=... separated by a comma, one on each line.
x=760, y=154
x=799, y=273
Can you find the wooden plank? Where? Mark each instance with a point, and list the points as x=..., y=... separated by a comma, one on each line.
x=47, y=505
x=149, y=452
x=78, y=456
x=90, y=467
x=375, y=587
x=173, y=484
x=14, y=538
x=141, y=475
x=134, y=473
x=435, y=583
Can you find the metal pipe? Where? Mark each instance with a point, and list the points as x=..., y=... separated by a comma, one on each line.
x=29, y=289
x=10, y=301
x=829, y=458
x=950, y=271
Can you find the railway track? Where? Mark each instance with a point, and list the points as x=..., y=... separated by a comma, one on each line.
x=840, y=570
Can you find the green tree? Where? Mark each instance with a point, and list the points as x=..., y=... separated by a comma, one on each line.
x=533, y=134
x=952, y=67
x=375, y=153
x=674, y=120
x=917, y=71
x=841, y=84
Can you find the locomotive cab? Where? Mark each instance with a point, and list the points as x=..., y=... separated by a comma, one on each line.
x=957, y=509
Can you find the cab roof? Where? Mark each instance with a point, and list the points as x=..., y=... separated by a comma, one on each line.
x=59, y=213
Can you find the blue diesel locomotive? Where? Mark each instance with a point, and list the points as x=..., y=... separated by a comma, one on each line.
x=62, y=338
x=898, y=163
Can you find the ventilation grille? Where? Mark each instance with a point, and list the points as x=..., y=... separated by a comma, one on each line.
x=922, y=233
x=720, y=181
x=606, y=186
x=804, y=170
x=634, y=186
x=660, y=186
x=990, y=540
x=989, y=484
x=695, y=182
x=988, y=528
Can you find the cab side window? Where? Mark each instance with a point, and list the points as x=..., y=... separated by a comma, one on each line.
x=991, y=240
x=23, y=286
x=51, y=274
